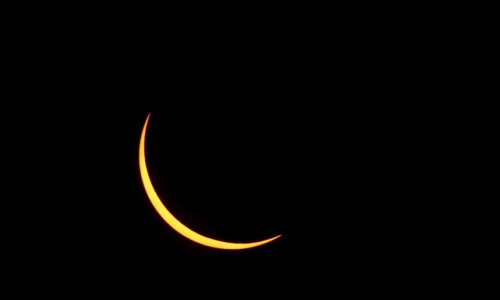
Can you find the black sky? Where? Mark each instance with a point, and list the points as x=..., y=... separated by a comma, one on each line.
x=302, y=149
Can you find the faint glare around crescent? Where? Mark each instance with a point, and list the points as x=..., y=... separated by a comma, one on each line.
x=171, y=220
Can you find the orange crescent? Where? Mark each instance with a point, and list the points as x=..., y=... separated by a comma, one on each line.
x=169, y=217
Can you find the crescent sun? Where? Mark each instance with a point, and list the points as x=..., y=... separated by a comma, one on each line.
x=169, y=217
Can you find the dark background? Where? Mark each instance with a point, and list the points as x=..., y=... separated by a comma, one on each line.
x=243, y=144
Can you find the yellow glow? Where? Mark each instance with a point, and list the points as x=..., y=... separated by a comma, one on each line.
x=171, y=220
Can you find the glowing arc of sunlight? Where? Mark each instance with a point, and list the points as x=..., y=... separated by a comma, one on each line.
x=171, y=220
